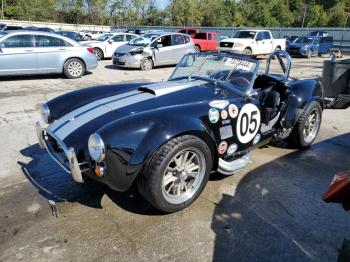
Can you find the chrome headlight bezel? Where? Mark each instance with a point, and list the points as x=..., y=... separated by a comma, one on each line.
x=96, y=147
x=45, y=113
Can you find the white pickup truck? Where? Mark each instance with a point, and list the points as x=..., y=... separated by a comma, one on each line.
x=252, y=42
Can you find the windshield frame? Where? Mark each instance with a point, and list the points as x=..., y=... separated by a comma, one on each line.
x=142, y=36
x=248, y=92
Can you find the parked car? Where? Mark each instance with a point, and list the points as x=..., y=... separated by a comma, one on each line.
x=252, y=42
x=319, y=33
x=10, y=27
x=189, y=31
x=91, y=35
x=290, y=39
x=43, y=29
x=105, y=45
x=135, y=31
x=151, y=50
x=168, y=137
x=206, y=41
x=33, y=52
x=308, y=46
x=71, y=34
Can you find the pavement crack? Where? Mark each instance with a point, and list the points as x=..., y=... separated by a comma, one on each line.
x=285, y=209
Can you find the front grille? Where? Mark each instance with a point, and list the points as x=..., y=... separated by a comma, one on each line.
x=293, y=48
x=56, y=150
x=226, y=44
x=118, y=54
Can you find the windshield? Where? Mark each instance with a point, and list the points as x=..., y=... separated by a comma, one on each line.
x=104, y=37
x=232, y=71
x=2, y=34
x=143, y=40
x=244, y=34
x=303, y=40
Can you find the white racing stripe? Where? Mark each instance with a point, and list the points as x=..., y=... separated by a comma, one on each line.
x=70, y=122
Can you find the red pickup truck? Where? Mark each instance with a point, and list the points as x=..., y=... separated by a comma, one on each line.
x=208, y=41
x=189, y=31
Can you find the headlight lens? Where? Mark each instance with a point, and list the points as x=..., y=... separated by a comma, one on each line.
x=96, y=147
x=136, y=52
x=45, y=113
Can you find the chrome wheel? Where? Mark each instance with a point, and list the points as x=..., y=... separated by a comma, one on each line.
x=147, y=64
x=183, y=176
x=312, y=125
x=75, y=68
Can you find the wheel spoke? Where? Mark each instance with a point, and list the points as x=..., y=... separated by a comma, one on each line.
x=168, y=179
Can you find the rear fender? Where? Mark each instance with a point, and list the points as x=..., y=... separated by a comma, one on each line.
x=301, y=94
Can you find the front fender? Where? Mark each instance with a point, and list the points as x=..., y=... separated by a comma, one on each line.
x=132, y=141
x=301, y=94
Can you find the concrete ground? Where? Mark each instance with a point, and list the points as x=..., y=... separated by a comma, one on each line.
x=271, y=211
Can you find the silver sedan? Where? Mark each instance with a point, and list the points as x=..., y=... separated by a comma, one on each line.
x=31, y=52
x=154, y=49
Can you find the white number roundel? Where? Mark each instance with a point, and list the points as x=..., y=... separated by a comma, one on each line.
x=248, y=123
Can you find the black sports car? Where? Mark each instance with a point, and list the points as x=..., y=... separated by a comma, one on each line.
x=168, y=137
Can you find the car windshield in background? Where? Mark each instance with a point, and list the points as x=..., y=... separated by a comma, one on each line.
x=232, y=71
x=104, y=37
x=303, y=40
x=143, y=40
x=244, y=34
x=2, y=34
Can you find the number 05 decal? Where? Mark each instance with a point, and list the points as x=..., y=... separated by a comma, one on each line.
x=248, y=123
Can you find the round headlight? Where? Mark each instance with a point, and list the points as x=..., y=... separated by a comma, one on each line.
x=45, y=113
x=96, y=147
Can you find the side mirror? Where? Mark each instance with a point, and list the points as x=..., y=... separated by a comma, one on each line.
x=159, y=45
x=253, y=94
x=258, y=39
x=110, y=41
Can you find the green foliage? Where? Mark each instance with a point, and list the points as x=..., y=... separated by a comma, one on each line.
x=263, y=13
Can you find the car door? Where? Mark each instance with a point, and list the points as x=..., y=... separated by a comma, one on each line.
x=163, y=51
x=17, y=55
x=315, y=45
x=50, y=53
x=113, y=43
x=179, y=48
x=212, y=42
x=267, y=42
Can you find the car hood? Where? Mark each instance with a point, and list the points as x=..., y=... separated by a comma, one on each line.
x=297, y=44
x=124, y=49
x=75, y=127
x=90, y=42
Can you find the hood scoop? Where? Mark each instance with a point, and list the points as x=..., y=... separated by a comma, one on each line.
x=165, y=88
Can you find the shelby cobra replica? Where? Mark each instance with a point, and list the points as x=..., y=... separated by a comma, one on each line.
x=168, y=137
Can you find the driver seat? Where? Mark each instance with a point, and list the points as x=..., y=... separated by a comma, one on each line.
x=269, y=100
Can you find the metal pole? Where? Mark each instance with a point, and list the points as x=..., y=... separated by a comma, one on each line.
x=302, y=25
x=2, y=9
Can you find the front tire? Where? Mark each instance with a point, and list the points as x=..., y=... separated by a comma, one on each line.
x=306, y=129
x=74, y=68
x=247, y=51
x=197, y=49
x=177, y=174
x=146, y=64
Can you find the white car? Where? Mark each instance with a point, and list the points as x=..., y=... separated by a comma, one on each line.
x=105, y=45
x=252, y=42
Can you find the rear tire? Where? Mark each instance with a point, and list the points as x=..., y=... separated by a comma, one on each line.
x=146, y=64
x=74, y=68
x=99, y=53
x=306, y=129
x=177, y=174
